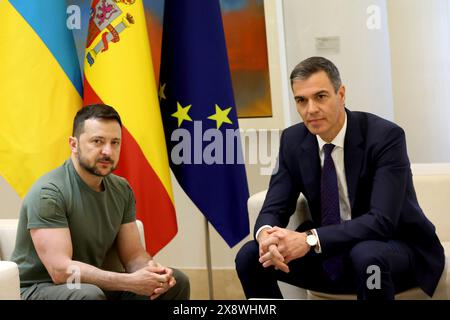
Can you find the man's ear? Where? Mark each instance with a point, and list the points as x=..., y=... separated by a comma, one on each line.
x=73, y=143
x=341, y=94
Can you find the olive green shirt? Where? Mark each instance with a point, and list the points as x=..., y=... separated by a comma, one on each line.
x=61, y=199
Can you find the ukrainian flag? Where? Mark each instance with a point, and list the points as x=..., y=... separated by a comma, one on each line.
x=40, y=89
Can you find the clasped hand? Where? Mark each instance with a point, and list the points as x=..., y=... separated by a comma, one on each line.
x=279, y=246
x=153, y=280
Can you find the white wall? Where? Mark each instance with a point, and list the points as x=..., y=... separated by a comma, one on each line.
x=420, y=46
x=9, y=201
x=400, y=71
x=364, y=55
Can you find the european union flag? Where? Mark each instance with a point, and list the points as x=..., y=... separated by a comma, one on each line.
x=199, y=115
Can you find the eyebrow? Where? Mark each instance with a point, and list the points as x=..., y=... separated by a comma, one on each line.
x=101, y=137
x=314, y=94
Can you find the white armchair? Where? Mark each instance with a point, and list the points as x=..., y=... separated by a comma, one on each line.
x=432, y=184
x=9, y=272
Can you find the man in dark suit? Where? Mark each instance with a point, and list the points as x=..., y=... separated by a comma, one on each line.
x=367, y=233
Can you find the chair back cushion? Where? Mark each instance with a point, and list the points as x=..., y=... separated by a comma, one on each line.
x=432, y=185
x=8, y=230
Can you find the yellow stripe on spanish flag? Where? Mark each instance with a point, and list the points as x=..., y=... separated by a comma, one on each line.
x=38, y=99
x=119, y=72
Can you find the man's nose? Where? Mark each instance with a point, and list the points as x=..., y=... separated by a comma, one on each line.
x=107, y=149
x=312, y=106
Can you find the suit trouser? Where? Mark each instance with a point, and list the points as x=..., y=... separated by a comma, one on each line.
x=372, y=270
x=50, y=291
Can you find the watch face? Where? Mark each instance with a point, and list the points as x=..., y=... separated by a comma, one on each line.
x=311, y=240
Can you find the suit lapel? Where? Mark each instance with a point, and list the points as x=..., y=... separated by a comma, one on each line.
x=353, y=154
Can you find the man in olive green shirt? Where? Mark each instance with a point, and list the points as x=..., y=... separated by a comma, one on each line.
x=73, y=215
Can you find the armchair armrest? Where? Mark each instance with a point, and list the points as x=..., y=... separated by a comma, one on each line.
x=256, y=201
x=9, y=281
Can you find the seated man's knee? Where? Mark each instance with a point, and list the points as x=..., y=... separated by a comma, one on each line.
x=182, y=289
x=87, y=292
x=366, y=254
x=247, y=256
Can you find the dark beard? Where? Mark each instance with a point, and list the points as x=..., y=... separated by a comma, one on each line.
x=92, y=169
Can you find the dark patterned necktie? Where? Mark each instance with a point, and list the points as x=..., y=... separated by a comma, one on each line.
x=330, y=208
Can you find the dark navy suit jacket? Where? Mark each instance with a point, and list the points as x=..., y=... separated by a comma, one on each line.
x=380, y=188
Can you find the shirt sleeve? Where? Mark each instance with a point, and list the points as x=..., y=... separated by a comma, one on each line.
x=317, y=249
x=130, y=208
x=47, y=209
x=266, y=226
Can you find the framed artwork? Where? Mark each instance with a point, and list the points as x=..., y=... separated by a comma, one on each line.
x=245, y=33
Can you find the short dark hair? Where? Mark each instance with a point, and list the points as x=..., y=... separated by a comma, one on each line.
x=93, y=111
x=308, y=67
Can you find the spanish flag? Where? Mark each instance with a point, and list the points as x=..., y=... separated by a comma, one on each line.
x=40, y=89
x=118, y=71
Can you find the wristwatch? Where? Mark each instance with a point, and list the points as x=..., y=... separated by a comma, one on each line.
x=311, y=239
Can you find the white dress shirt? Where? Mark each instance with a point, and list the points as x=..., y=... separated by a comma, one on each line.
x=338, y=158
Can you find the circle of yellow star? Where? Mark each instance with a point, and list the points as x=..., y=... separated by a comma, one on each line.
x=221, y=116
x=182, y=114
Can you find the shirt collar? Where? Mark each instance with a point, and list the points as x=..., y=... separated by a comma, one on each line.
x=338, y=141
